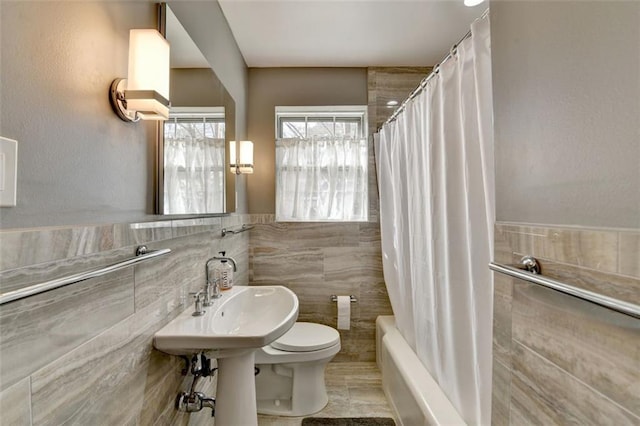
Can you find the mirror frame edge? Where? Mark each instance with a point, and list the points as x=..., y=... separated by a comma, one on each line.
x=158, y=175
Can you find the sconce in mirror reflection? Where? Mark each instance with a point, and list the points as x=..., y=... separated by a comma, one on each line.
x=145, y=93
x=241, y=162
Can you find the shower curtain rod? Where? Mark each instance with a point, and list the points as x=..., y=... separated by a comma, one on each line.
x=424, y=81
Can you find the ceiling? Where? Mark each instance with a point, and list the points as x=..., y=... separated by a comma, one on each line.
x=347, y=33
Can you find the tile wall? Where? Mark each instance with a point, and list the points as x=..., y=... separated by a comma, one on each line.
x=83, y=354
x=558, y=359
x=316, y=260
x=390, y=84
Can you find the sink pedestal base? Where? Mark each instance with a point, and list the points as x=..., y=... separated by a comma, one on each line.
x=236, y=391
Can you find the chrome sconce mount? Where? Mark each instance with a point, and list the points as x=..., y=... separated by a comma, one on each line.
x=119, y=102
x=118, y=97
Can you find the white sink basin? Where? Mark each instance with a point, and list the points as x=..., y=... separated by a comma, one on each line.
x=243, y=319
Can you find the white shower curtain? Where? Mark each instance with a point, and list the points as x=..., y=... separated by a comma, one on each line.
x=435, y=171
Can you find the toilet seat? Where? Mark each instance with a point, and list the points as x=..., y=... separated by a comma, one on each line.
x=307, y=337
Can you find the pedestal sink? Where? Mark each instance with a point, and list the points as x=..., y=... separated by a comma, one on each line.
x=241, y=321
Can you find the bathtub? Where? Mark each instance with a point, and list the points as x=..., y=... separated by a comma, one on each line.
x=414, y=396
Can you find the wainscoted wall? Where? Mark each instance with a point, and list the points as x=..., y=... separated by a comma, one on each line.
x=316, y=260
x=83, y=354
x=558, y=359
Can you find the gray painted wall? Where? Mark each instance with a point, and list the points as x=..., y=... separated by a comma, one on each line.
x=208, y=28
x=195, y=87
x=271, y=87
x=77, y=161
x=566, y=81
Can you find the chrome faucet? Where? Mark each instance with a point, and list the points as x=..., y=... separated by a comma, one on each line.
x=211, y=291
x=212, y=288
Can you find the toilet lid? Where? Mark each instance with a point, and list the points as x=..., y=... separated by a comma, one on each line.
x=306, y=337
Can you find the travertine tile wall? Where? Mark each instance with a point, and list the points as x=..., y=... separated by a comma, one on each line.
x=558, y=359
x=316, y=260
x=390, y=84
x=83, y=354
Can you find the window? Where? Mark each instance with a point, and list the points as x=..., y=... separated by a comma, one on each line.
x=193, y=145
x=321, y=164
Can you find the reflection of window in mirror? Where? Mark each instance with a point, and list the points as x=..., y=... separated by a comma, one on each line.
x=194, y=159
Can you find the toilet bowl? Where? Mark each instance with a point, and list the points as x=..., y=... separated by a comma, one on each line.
x=290, y=378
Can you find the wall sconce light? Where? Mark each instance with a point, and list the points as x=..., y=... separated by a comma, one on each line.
x=245, y=165
x=145, y=94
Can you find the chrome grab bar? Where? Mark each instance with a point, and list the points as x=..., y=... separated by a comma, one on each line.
x=522, y=272
x=142, y=254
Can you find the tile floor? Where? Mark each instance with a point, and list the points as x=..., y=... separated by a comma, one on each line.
x=355, y=390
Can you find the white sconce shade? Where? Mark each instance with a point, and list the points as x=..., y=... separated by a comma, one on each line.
x=148, y=62
x=145, y=94
x=245, y=165
x=471, y=3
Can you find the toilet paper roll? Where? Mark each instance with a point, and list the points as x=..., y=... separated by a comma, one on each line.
x=344, y=312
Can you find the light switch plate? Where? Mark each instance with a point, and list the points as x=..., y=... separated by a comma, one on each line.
x=8, y=171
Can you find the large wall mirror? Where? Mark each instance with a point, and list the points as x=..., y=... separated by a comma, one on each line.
x=193, y=172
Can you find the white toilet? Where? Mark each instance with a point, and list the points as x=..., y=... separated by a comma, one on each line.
x=290, y=381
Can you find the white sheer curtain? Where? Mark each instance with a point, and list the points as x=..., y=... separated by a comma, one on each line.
x=321, y=178
x=193, y=169
x=435, y=165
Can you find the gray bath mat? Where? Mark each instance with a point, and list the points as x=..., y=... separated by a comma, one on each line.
x=348, y=421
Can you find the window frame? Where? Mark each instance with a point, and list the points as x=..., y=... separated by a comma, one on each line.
x=357, y=113
x=335, y=114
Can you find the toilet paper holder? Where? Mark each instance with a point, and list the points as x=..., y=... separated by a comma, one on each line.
x=334, y=298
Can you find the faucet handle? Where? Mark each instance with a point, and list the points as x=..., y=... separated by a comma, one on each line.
x=199, y=311
x=207, y=294
x=215, y=289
